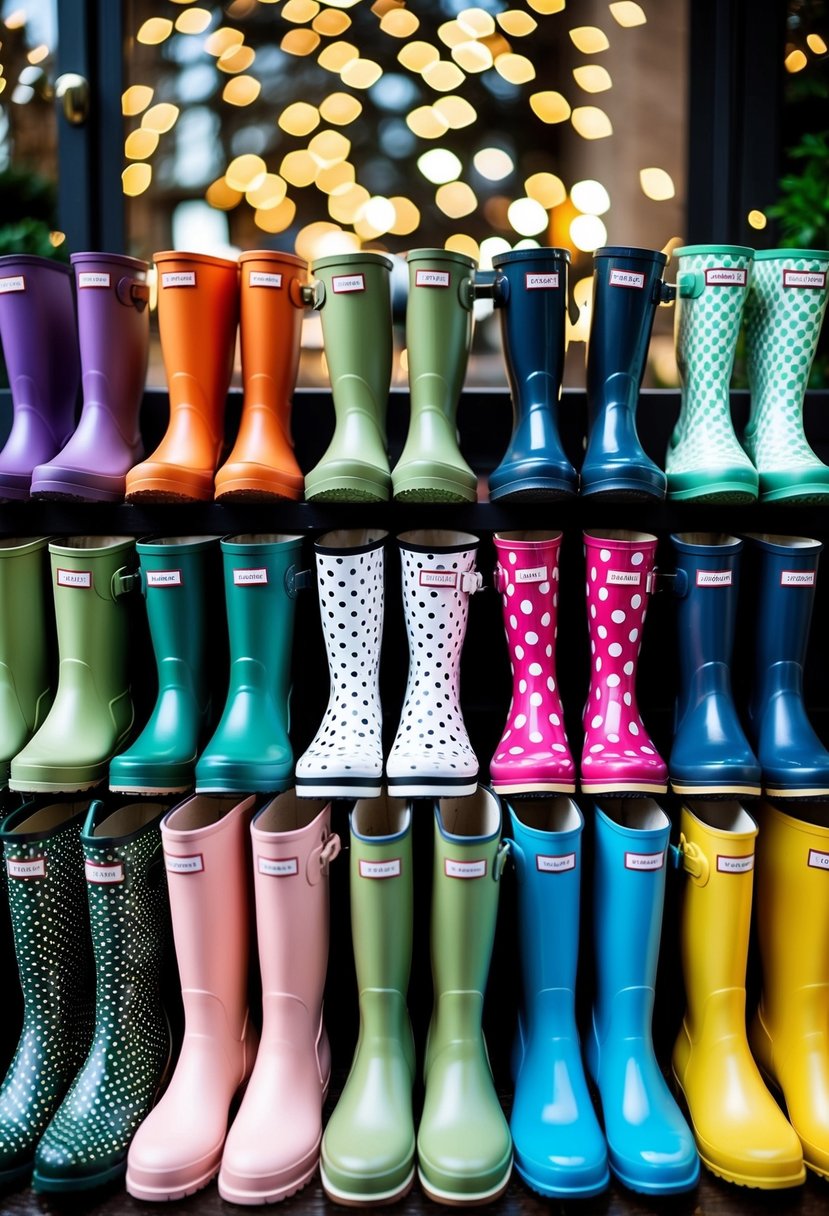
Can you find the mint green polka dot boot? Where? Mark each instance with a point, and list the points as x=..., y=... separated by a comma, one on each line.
x=50, y=922
x=784, y=313
x=86, y=1143
x=705, y=462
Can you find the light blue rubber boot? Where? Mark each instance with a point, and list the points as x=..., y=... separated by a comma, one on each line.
x=649, y=1144
x=559, y=1147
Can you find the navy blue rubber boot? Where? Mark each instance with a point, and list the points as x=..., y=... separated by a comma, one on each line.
x=711, y=756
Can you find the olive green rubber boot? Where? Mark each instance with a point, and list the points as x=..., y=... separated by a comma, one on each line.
x=50, y=922
x=92, y=713
x=86, y=1143
x=368, y=1147
x=464, y=1148
x=25, y=695
x=439, y=324
x=784, y=314
x=353, y=295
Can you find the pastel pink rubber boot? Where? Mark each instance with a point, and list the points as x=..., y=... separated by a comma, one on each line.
x=618, y=755
x=533, y=756
x=178, y=1147
x=273, y=1147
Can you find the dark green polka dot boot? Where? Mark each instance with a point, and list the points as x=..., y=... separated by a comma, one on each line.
x=86, y=1143
x=50, y=921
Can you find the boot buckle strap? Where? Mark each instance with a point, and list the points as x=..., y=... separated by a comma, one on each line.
x=321, y=858
x=471, y=581
x=499, y=580
x=690, y=857
x=501, y=858
x=297, y=580
x=678, y=580
x=125, y=581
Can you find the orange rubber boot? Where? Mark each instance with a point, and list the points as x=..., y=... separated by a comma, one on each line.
x=198, y=307
x=262, y=464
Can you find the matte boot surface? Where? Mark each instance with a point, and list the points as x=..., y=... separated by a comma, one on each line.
x=25, y=692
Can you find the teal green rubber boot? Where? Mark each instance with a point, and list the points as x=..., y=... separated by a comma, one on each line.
x=25, y=694
x=439, y=325
x=464, y=1149
x=50, y=922
x=175, y=580
x=704, y=461
x=85, y=1145
x=92, y=712
x=368, y=1148
x=250, y=751
x=784, y=314
x=353, y=295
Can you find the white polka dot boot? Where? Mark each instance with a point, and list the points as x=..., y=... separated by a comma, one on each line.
x=50, y=922
x=533, y=755
x=86, y=1143
x=431, y=754
x=345, y=759
x=618, y=755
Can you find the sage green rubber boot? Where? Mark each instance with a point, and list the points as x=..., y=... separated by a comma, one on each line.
x=353, y=295
x=92, y=712
x=86, y=1143
x=50, y=922
x=25, y=695
x=784, y=314
x=368, y=1147
x=464, y=1148
x=704, y=461
x=439, y=324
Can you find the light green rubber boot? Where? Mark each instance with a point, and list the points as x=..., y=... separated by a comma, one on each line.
x=705, y=461
x=784, y=313
x=439, y=324
x=369, y=1144
x=92, y=713
x=464, y=1148
x=353, y=295
x=25, y=695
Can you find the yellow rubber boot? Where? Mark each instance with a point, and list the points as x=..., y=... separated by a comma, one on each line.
x=741, y=1133
x=790, y=1031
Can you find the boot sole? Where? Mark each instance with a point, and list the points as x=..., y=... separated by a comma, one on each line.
x=716, y=791
x=818, y=793
x=434, y=494
x=457, y=1199
x=340, y=788
x=562, y=1192
x=149, y=789
x=532, y=494
x=255, y=1198
x=519, y=788
x=366, y=1199
x=44, y=1185
x=632, y=789
x=432, y=787
x=55, y=787
x=169, y=1194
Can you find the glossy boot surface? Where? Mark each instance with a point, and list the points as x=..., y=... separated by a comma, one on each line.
x=25, y=692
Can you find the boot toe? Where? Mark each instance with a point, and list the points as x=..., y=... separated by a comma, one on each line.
x=626, y=768
x=539, y=770
x=166, y=481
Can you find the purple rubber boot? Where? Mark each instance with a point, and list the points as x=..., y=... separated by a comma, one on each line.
x=40, y=346
x=114, y=327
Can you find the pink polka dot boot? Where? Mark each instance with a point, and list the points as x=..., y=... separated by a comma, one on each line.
x=618, y=755
x=533, y=756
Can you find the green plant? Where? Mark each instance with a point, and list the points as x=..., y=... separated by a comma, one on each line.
x=802, y=211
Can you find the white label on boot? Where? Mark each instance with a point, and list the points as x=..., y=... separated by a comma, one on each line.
x=735, y=865
x=35, y=867
x=179, y=278
x=714, y=578
x=818, y=860
x=348, y=282
x=74, y=578
x=725, y=276
x=93, y=278
x=555, y=865
x=390, y=868
x=536, y=282
x=644, y=861
x=797, y=578
x=250, y=576
x=104, y=872
x=184, y=865
x=163, y=578
x=14, y=282
x=432, y=278
x=804, y=278
x=278, y=867
x=627, y=278
x=260, y=278
x=438, y=578
x=464, y=869
x=537, y=575
x=623, y=578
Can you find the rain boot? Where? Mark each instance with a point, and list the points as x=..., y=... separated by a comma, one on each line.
x=464, y=1149
x=784, y=314
x=198, y=308
x=25, y=692
x=533, y=755
x=531, y=298
x=40, y=350
x=262, y=465
x=175, y=579
x=431, y=754
x=650, y=1147
x=273, y=1146
x=559, y=1148
x=86, y=1143
x=789, y=1034
x=178, y=1148
x=439, y=326
x=114, y=328
x=704, y=461
x=627, y=286
x=92, y=713
x=618, y=755
x=353, y=295
x=368, y=1148
x=741, y=1133
x=711, y=756
x=50, y=920
x=345, y=759
x=250, y=748
x=795, y=763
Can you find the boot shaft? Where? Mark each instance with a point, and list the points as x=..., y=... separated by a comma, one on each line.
x=620, y=571
x=707, y=588
x=531, y=301
x=784, y=314
x=25, y=695
x=439, y=323
x=784, y=570
x=712, y=287
x=40, y=341
x=350, y=580
x=177, y=574
x=271, y=313
x=90, y=575
x=381, y=884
